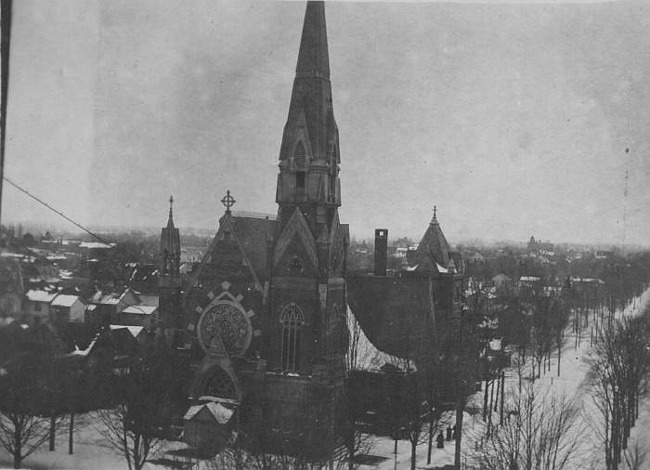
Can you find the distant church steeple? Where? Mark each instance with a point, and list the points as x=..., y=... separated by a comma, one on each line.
x=170, y=246
x=309, y=153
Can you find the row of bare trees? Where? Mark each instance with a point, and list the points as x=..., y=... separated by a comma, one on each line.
x=618, y=373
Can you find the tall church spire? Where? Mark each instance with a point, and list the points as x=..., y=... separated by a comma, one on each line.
x=313, y=58
x=309, y=153
x=170, y=246
x=170, y=221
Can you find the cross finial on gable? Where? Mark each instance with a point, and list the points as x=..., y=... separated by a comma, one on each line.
x=228, y=201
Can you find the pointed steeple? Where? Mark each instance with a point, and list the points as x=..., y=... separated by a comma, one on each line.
x=170, y=245
x=313, y=58
x=309, y=153
x=170, y=221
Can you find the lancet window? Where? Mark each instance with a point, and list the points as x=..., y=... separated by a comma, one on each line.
x=291, y=322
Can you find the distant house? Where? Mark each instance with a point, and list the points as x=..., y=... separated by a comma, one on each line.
x=68, y=308
x=111, y=352
x=38, y=305
x=137, y=332
x=138, y=315
x=604, y=254
x=108, y=307
x=529, y=284
x=502, y=283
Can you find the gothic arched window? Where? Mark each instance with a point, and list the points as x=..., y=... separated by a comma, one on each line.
x=291, y=322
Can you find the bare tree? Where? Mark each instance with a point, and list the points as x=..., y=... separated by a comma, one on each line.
x=136, y=425
x=540, y=432
x=121, y=435
x=24, y=424
x=21, y=435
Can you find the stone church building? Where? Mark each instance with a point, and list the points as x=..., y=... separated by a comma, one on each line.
x=265, y=314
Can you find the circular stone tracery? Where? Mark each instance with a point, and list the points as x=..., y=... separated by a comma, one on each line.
x=229, y=320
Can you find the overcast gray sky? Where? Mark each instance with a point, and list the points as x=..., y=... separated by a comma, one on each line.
x=514, y=119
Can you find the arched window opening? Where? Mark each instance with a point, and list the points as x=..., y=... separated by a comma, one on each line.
x=300, y=181
x=291, y=322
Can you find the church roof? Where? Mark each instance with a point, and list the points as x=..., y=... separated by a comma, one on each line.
x=395, y=313
x=433, y=252
x=253, y=233
x=362, y=354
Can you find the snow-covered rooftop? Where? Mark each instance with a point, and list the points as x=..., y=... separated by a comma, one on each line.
x=64, y=300
x=134, y=330
x=92, y=245
x=140, y=309
x=363, y=355
x=220, y=412
x=40, y=296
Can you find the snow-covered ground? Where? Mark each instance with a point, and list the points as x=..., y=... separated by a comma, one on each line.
x=90, y=451
x=574, y=368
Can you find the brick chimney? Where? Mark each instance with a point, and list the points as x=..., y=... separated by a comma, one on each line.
x=381, y=251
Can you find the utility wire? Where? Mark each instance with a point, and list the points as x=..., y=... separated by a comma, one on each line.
x=54, y=210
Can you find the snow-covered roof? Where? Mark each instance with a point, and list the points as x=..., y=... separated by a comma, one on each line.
x=63, y=300
x=366, y=356
x=134, y=330
x=110, y=299
x=441, y=269
x=495, y=344
x=40, y=296
x=140, y=309
x=587, y=279
x=220, y=412
x=92, y=245
x=85, y=352
x=529, y=279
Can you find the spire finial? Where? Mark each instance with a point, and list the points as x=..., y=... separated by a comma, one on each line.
x=171, y=205
x=228, y=201
x=435, y=212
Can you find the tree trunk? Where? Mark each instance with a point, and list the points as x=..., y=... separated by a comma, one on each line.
x=70, y=434
x=485, y=400
x=52, y=431
x=559, y=354
x=17, y=459
x=430, y=439
x=459, y=429
x=414, y=444
x=503, y=384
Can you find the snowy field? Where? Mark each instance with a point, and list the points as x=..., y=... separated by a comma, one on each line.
x=91, y=452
